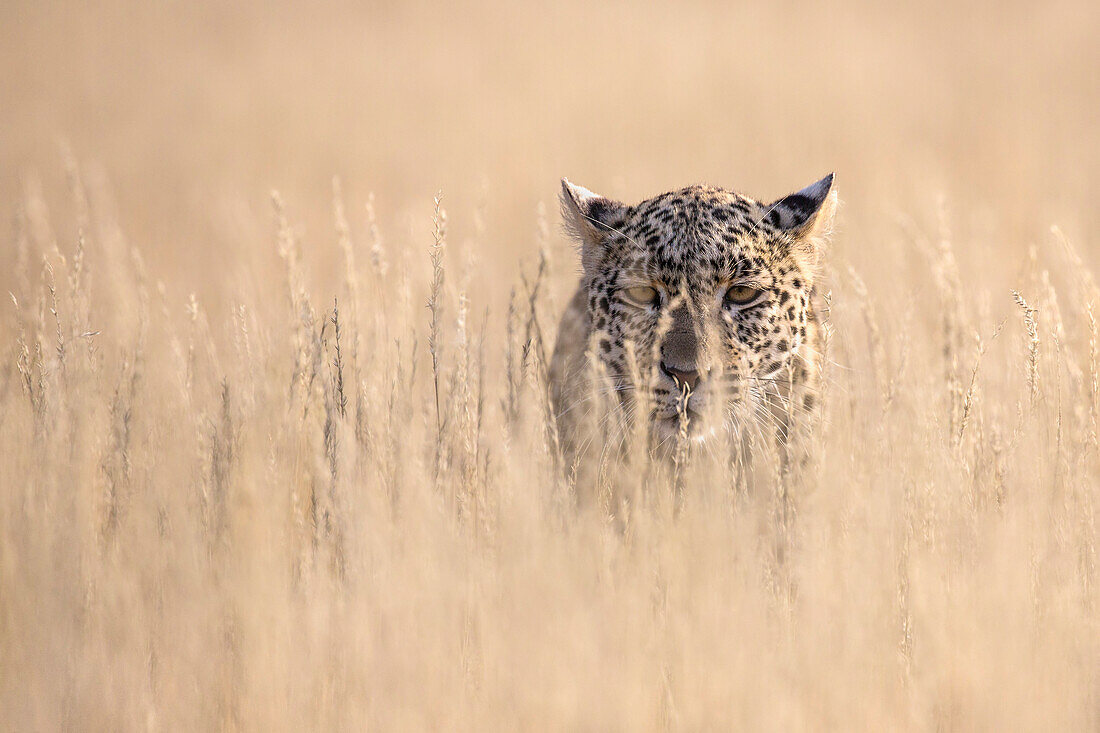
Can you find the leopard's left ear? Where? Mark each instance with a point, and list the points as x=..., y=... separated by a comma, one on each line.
x=807, y=215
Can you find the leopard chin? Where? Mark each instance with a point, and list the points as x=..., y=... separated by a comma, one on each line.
x=668, y=430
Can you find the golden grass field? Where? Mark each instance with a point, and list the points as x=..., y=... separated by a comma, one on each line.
x=227, y=503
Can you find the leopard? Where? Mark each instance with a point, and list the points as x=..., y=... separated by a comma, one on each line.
x=698, y=312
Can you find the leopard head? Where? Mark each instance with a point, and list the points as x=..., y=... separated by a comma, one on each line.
x=701, y=296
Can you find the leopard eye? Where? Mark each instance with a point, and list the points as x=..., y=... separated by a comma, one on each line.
x=641, y=296
x=741, y=295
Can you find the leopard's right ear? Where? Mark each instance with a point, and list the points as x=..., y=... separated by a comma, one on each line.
x=588, y=218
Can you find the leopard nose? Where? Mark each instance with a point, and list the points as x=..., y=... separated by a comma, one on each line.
x=682, y=377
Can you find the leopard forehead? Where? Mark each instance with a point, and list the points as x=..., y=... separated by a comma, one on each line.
x=696, y=235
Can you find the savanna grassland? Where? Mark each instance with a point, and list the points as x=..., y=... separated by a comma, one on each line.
x=274, y=448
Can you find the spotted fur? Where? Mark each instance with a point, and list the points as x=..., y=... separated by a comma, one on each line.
x=691, y=246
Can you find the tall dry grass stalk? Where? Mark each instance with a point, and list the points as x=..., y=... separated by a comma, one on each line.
x=435, y=303
x=1031, y=324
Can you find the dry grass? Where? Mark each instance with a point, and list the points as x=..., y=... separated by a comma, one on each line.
x=248, y=481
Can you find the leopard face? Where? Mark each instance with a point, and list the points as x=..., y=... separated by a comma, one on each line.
x=701, y=297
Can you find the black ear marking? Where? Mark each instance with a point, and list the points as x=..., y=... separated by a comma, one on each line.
x=799, y=211
x=807, y=217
